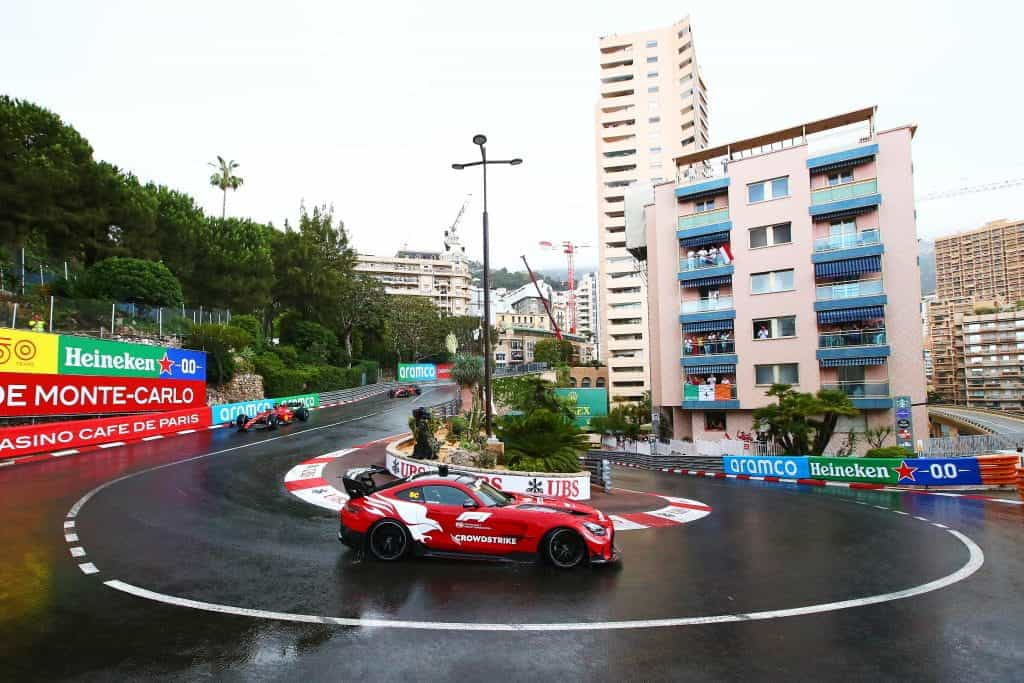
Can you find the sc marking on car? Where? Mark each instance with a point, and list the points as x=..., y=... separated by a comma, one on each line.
x=456, y=514
x=283, y=414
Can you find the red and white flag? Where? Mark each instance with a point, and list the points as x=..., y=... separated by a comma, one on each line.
x=726, y=253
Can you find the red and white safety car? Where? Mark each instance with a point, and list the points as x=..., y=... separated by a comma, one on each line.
x=456, y=514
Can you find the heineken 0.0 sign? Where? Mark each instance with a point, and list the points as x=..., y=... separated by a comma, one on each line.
x=588, y=403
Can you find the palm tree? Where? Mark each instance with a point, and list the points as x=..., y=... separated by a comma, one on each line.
x=225, y=180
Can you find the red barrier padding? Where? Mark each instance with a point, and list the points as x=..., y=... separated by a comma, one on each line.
x=58, y=436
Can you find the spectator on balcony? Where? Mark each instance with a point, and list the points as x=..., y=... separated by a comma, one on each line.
x=725, y=342
x=691, y=259
x=711, y=379
x=702, y=256
x=762, y=332
x=725, y=381
x=712, y=257
x=688, y=345
x=710, y=343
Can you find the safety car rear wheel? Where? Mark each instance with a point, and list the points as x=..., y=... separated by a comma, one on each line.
x=388, y=540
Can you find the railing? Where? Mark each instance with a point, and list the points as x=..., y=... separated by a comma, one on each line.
x=849, y=289
x=970, y=446
x=722, y=303
x=694, y=263
x=442, y=411
x=600, y=469
x=859, y=389
x=861, y=239
x=831, y=340
x=520, y=369
x=697, y=220
x=709, y=392
x=709, y=348
x=838, y=193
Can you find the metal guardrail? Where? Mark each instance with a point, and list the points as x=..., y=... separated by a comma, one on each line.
x=442, y=411
x=600, y=468
x=521, y=369
x=364, y=391
x=707, y=463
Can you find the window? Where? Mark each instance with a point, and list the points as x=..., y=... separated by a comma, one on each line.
x=652, y=88
x=704, y=205
x=652, y=74
x=652, y=60
x=414, y=495
x=772, y=281
x=585, y=383
x=842, y=228
x=768, y=189
x=652, y=43
x=840, y=177
x=714, y=420
x=655, y=164
x=770, y=235
x=572, y=382
x=781, y=373
x=655, y=150
x=445, y=495
x=851, y=375
x=600, y=382
x=654, y=119
x=774, y=328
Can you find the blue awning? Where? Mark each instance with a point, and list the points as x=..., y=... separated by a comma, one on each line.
x=846, y=267
x=849, y=362
x=708, y=326
x=708, y=281
x=704, y=240
x=709, y=369
x=848, y=315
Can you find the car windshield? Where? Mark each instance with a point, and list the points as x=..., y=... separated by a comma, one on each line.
x=488, y=495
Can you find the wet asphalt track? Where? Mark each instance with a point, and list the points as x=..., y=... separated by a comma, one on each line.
x=222, y=529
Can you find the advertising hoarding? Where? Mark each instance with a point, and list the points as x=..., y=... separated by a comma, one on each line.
x=28, y=352
x=229, y=412
x=417, y=372
x=589, y=403
x=33, y=394
x=794, y=467
x=884, y=471
x=57, y=436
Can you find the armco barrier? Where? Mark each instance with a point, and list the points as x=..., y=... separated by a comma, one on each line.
x=229, y=412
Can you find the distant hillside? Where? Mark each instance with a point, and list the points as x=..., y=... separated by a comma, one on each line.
x=926, y=256
x=502, y=277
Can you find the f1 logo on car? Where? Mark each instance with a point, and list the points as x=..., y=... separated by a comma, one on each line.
x=473, y=517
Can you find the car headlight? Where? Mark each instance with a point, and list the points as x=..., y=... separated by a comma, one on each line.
x=595, y=529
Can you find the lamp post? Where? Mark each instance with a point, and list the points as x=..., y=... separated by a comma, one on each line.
x=480, y=140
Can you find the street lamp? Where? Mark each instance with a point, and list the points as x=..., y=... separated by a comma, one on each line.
x=480, y=140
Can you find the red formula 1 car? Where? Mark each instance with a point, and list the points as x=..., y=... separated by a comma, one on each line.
x=282, y=414
x=455, y=514
x=409, y=390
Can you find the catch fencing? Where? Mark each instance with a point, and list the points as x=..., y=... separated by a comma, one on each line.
x=600, y=469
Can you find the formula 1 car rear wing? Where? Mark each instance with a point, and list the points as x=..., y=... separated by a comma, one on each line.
x=359, y=480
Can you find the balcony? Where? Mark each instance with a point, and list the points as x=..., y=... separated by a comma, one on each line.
x=703, y=223
x=698, y=348
x=849, y=294
x=709, y=396
x=850, y=199
x=867, y=394
x=722, y=303
x=839, y=247
x=705, y=275
x=852, y=348
x=842, y=159
x=705, y=188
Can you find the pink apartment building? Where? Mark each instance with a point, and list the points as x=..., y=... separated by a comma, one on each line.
x=790, y=257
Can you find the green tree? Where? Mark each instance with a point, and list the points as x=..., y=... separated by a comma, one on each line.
x=224, y=178
x=362, y=307
x=468, y=372
x=251, y=324
x=232, y=265
x=541, y=441
x=554, y=352
x=221, y=343
x=413, y=328
x=466, y=329
x=132, y=280
x=180, y=234
x=313, y=266
x=802, y=423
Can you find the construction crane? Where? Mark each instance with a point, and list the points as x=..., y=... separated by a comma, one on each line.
x=452, y=242
x=569, y=249
x=543, y=300
x=971, y=189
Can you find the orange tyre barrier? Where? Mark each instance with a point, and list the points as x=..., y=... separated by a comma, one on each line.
x=1020, y=481
x=999, y=469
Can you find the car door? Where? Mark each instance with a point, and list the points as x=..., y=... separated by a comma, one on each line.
x=445, y=503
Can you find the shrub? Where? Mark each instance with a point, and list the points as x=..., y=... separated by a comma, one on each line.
x=250, y=324
x=220, y=342
x=132, y=280
x=288, y=355
x=315, y=341
x=889, y=452
x=458, y=425
x=542, y=441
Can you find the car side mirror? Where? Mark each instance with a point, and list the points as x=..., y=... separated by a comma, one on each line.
x=469, y=504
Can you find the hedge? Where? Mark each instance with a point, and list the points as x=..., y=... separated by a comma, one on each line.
x=281, y=380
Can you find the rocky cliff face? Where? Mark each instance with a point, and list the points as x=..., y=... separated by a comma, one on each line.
x=242, y=387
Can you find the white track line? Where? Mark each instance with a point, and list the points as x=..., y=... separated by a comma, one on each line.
x=974, y=563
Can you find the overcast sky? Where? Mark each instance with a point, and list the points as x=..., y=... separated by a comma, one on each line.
x=365, y=105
